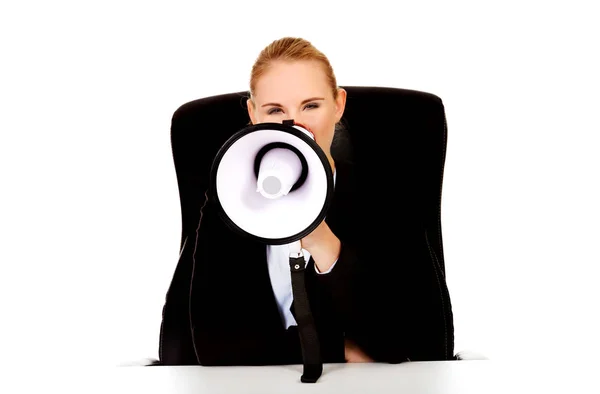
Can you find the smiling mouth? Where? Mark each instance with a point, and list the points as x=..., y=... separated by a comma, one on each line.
x=304, y=127
x=294, y=123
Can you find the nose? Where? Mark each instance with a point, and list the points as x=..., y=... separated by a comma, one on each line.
x=293, y=113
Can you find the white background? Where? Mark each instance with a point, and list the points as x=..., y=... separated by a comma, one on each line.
x=90, y=219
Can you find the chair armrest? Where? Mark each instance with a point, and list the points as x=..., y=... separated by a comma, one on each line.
x=144, y=362
x=469, y=355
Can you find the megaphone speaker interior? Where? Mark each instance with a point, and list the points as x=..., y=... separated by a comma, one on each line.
x=272, y=182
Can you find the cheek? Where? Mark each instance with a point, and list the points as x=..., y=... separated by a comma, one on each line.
x=319, y=125
x=263, y=118
x=323, y=135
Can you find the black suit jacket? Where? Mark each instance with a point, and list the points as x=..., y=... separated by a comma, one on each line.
x=386, y=293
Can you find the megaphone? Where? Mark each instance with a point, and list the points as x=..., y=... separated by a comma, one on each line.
x=273, y=183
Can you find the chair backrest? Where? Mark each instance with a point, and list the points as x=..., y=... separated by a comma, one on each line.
x=398, y=141
x=397, y=130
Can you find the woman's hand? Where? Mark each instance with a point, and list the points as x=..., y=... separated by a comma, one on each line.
x=323, y=246
x=354, y=354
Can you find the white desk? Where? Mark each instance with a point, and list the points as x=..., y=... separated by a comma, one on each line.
x=442, y=377
x=418, y=377
x=452, y=377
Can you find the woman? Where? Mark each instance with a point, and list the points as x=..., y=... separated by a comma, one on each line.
x=364, y=303
x=293, y=80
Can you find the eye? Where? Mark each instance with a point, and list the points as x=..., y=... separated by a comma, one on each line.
x=311, y=106
x=273, y=110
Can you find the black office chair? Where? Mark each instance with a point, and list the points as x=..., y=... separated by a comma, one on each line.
x=396, y=138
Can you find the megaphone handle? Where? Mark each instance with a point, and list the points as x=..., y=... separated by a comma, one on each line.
x=309, y=340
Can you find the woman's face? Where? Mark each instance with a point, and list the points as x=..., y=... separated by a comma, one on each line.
x=299, y=91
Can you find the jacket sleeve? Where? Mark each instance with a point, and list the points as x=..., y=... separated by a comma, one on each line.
x=347, y=288
x=396, y=308
x=214, y=344
x=232, y=315
x=175, y=345
x=339, y=284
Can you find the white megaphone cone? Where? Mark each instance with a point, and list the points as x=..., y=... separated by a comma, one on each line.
x=272, y=182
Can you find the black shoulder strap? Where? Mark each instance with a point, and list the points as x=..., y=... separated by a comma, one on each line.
x=309, y=340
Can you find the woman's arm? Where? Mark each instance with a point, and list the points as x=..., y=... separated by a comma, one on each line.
x=323, y=246
x=336, y=281
x=356, y=303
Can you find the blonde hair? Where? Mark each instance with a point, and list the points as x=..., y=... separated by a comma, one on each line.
x=291, y=49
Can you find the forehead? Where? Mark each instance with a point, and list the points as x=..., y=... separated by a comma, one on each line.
x=292, y=81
